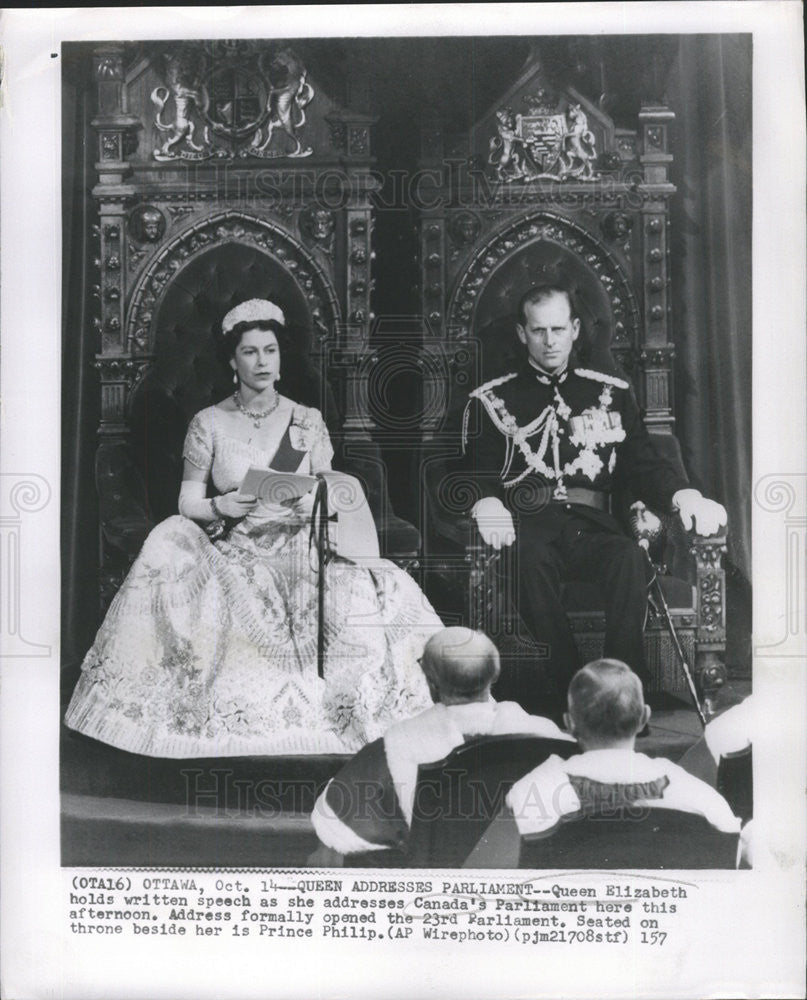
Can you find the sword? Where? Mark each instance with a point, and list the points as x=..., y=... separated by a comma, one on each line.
x=646, y=529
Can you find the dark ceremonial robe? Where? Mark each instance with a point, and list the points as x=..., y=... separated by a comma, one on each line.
x=616, y=784
x=554, y=448
x=369, y=804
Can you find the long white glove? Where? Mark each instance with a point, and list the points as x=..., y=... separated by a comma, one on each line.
x=193, y=504
x=707, y=516
x=494, y=522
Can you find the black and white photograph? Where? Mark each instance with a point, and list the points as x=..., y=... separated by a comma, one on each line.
x=495, y=313
x=409, y=540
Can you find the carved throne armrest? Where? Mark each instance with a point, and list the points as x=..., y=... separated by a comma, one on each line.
x=698, y=560
x=710, y=603
x=124, y=517
x=486, y=566
x=694, y=558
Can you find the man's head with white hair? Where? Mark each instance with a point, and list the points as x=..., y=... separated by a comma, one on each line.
x=460, y=666
x=606, y=706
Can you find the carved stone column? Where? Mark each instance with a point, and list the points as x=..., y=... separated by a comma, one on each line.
x=117, y=131
x=433, y=277
x=115, y=126
x=656, y=158
x=657, y=367
x=356, y=340
x=350, y=132
x=657, y=355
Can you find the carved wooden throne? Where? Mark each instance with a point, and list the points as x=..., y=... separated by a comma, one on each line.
x=545, y=187
x=224, y=173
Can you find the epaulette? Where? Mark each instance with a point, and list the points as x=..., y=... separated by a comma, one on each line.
x=620, y=383
x=489, y=385
x=490, y=401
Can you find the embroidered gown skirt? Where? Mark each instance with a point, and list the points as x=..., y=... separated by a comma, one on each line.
x=210, y=648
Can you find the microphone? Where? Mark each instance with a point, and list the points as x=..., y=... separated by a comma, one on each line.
x=646, y=527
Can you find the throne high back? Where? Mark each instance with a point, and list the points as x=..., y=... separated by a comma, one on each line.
x=224, y=173
x=187, y=373
x=545, y=187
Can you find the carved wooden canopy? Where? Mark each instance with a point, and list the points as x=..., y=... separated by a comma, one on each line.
x=546, y=187
x=204, y=145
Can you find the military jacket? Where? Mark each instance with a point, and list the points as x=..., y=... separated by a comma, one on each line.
x=530, y=437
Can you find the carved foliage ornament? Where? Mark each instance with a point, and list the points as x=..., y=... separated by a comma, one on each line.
x=542, y=145
x=711, y=602
x=126, y=370
x=109, y=65
x=232, y=227
x=232, y=99
x=546, y=226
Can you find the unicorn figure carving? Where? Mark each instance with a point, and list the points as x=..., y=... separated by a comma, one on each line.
x=289, y=95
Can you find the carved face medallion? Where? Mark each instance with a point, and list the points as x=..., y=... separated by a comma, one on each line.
x=465, y=228
x=147, y=224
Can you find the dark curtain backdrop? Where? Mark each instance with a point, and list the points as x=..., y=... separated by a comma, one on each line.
x=81, y=404
x=707, y=82
x=710, y=91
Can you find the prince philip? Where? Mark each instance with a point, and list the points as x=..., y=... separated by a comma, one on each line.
x=550, y=443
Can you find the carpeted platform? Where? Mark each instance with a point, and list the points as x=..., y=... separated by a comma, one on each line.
x=112, y=832
x=125, y=810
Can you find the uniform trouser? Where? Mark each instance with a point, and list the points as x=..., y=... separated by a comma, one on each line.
x=582, y=550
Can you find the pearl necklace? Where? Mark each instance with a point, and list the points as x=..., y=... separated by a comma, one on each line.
x=256, y=418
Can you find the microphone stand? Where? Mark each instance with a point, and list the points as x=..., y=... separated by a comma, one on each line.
x=319, y=536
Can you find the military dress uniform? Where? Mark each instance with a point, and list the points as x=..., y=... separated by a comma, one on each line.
x=553, y=449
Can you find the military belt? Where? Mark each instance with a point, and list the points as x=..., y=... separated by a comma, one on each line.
x=587, y=498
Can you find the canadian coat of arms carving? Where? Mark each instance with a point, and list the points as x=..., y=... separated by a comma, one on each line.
x=543, y=144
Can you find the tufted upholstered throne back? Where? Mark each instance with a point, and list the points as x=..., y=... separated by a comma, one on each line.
x=511, y=212
x=188, y=372
x=541, y=261
x=139, y=474
x=195, y=212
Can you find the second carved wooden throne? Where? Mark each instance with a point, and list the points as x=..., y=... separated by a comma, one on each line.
x=545, y=187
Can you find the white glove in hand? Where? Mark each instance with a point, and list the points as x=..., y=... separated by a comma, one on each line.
x=304, y=505
x=494, y=522
x=194, y=504
x=235, y=504
x=695, y=510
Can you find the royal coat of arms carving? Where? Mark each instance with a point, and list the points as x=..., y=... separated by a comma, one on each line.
x=231, y=99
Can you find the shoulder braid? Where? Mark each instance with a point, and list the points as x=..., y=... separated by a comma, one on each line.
x=596, y=376
x=481, y=389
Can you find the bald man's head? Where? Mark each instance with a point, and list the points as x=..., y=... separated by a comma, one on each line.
x=460, y=665
x=606, y=703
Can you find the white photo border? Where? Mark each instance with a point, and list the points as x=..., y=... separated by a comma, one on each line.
x=748, y=937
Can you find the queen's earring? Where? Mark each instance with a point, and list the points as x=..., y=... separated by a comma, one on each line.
x=235, y=379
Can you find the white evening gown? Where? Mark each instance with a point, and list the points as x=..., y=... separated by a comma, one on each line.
x=209, y=649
